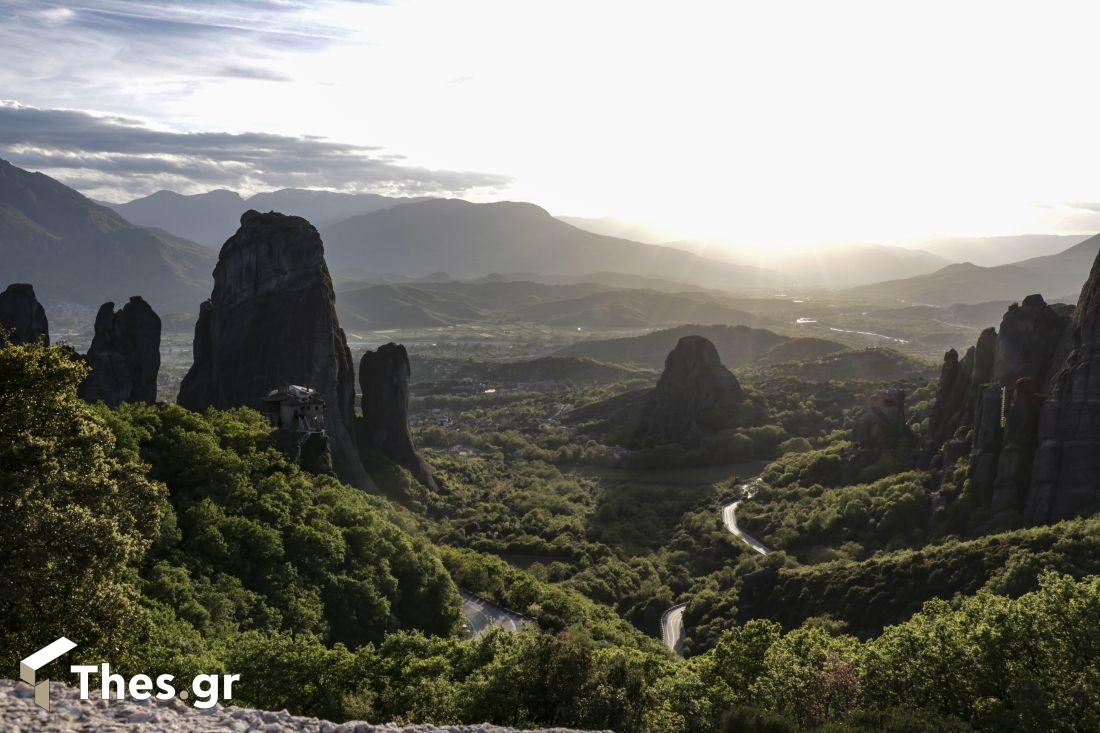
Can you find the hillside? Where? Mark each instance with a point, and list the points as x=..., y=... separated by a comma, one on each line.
x=875, y=365
x=1053, y=276
x=555, y=369
x=469, y=240
x=72, y=249
x=737, y=346
x=211, y=218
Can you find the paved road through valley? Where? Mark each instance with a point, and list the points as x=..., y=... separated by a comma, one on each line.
x=672, y=622
x=672, y=628
x=729, y=518
x=481, y=615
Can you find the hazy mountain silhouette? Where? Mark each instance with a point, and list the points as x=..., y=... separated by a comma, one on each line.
x=1054, y=276
x=72, y=249
x=470, y=240
x=827, y=266
x=993, y=251
x=211, y=218
x=847, y=265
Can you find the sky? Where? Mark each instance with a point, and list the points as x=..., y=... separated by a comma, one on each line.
x=769, y=124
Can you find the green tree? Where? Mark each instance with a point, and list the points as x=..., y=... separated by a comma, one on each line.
x=76, y=514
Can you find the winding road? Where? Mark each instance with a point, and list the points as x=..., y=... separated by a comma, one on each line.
x=481, y=615
x=672, y=628
x=672, y=621
x=729, y=518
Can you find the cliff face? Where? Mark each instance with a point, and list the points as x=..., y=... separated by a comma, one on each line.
x=23, y=315
x=271, y=320
x=695, y=395
x=124, y=356
x=384, y=381
x=1066, y=476
x=1032, y=423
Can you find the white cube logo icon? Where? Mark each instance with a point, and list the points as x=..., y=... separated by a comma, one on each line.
x=29, y=667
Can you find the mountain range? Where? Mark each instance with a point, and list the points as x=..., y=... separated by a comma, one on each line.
x=78, y=251
x=832, y=266
x=993, y=251
x=848, y=265
x=1056, y=277
x=211, y=218
x=469, y=240
x=75, y=250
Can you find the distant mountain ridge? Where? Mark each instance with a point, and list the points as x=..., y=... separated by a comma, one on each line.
x=847, y=265
x=829, y=266
x=1056, y=276
x=210, y=218
x=470, y=240
x=75, y=250
x=993, y=251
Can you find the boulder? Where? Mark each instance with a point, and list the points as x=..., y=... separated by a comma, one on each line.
x=124, y=356
x=23, y=315
x=695, y=395
x=271, y=319
x=384, y=382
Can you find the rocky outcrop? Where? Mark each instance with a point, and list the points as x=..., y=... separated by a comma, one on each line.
x=1066, y=476
x=1029, y=334
x=271, y=319
x=124, y=356
x=883, y=421
x=695, y=395
x=384, y=382
x=955, y=406
x=23, y=315
x=309, y=452
x=1033, y=420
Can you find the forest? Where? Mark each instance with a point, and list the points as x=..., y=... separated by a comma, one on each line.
x=186, y=541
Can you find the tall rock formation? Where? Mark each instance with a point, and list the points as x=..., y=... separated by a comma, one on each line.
x=124, y=356
x=1029, y=334
x=1033, y=422
x=1066, y=477
x=271, y=320
x=384, y=381
x=695, y=395
x=23, y=315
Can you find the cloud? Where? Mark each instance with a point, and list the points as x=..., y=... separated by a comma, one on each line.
x=118, y=157
x=252, y=72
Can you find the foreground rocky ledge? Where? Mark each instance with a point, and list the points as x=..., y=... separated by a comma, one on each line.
x=18, y=714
